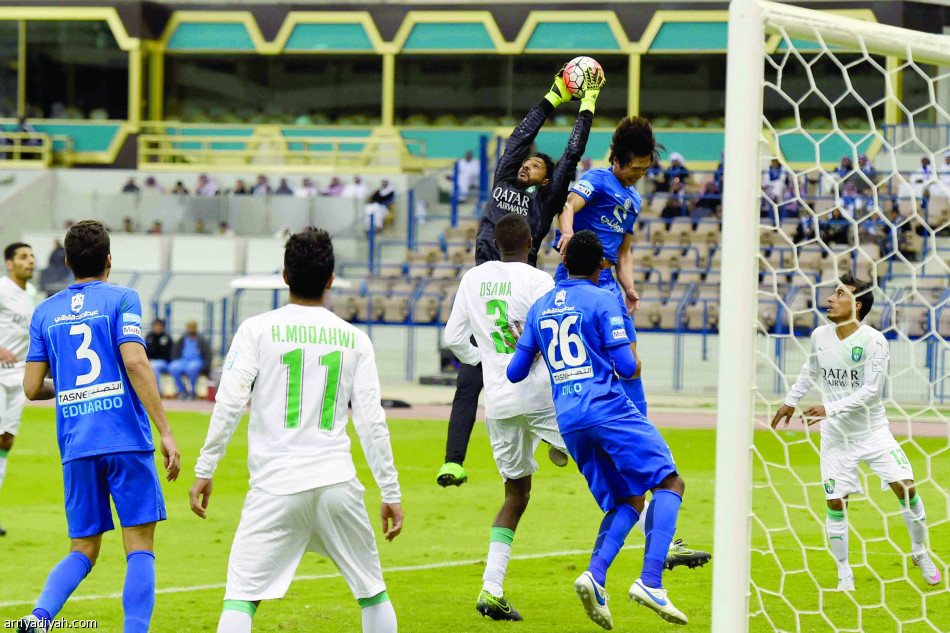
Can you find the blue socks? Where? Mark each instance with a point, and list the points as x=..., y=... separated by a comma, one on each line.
x=634, y=390
x=138, y=596
x=613, y=532
x=660, y=527
x=60, y=584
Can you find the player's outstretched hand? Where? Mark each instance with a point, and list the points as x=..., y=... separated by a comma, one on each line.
x=815, y=414
x=632, y=299
x=201, y=488
x=391, y=512
x=172, y=457
x=594, y=80
x=559, y=94
x=785, y=412
x=562, y=243
x=7, y=357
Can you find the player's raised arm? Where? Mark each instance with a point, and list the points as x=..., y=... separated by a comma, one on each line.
x=369, y=419
x=806, y=378
x=527, y=349
x=575, y=202
x=625, y=274
x=458, y=330
x=239, y=372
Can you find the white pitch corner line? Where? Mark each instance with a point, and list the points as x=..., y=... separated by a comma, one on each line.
x=389, y=570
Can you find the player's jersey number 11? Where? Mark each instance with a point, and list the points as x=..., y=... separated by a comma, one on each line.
x=294, y=360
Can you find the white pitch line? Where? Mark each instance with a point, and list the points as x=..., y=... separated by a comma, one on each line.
x=390, y=570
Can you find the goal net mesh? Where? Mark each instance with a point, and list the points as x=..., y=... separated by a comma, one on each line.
x=842, y=192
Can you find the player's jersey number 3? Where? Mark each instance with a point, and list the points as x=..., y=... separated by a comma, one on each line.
x=86, y=365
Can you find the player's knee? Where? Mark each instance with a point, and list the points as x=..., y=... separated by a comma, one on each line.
x=674, y=483
x=6, y=441
x=89, y=550
x=836, y=504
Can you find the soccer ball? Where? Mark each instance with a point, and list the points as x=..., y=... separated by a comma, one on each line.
x=573, y=74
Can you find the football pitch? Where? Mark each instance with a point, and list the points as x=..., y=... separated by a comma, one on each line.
x=433, y=570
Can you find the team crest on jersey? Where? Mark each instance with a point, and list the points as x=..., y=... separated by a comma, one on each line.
x=857, y=353
x=78, y=300
x=560, y=297
x=830, y=486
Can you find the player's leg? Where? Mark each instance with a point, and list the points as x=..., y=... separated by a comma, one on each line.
x=177, y=370
x=839, y=468
x=6, y=445
x=237, y=616
x=469, y=385
x=341, y=531
x=12, y=400
x=138, y=594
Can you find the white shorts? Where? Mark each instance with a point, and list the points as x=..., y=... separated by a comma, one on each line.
x=879, y=450
x=12, y=400
x=276, y=531
x=514, y=441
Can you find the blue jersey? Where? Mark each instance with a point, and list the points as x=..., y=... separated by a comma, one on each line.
x=611, y=209
x=575, y=325
x=78, y=332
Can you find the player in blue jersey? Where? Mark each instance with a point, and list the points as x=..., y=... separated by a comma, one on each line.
x=90, y=337
x=604, y=201
x=579, y=330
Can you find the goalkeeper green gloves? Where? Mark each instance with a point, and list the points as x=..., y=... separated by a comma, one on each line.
x=594, y=80
x=559, y=93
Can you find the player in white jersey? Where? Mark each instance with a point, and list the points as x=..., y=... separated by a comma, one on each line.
x=849, y=363
x=301, y=366
x=17, y=300
x=518, y=417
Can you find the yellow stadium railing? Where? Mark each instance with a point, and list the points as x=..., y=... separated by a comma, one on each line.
x=23, y=150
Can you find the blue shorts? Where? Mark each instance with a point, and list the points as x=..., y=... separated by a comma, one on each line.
x=621, y=458
x=129, y=478
x=607, y=282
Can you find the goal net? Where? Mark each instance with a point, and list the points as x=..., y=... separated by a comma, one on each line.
x=828, y=118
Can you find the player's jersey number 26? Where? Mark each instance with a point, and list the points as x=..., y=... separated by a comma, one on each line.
x=564, y=348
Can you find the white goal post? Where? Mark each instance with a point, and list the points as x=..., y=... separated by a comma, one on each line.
x=751, y=22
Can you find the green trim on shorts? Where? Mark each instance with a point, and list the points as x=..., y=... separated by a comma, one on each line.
x=502, y=535
x=369, y=602
x=837, y=515
x=3, y=453
x=240, y=605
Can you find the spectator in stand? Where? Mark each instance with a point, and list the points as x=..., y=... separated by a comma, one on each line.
x=851, y=202
x=867, y=169
x=153, y=186
x=380, y=206
x=127, y=226
x=719, y=171
x=355, y=189
x=191, y=358
x=586, y=165
x=777, y=181
x=158, y=348
x=708, y=204
x=262, y=188
x=896, y=226
x=200, y=227
x=844, y=169
x=24, y=127
x=206, y=187
x=677, y=172
x=925, y=167
x=469, y=169
x=676, y=203
x=130, y=186
x=56, y=276
x=225, y=230
x=944, y=171
x=789, y=206
x=836, y=229
x=805, y=231
x=240, y=189
x=335, y=188
x=156, y=228
x=180, y=189
x=284, y=189
x=307, y=188
x=654, y=174
x=873, y=229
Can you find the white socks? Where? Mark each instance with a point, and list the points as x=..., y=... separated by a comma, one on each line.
x=836, y=526
x=642, y=521
x=916, y=520
x=379, y=618
x=234, y=622
x=3, y=466
x=496, y=568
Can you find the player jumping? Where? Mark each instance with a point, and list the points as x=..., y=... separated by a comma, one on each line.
x=849, y=362
x=579, y=330
x=301, y=365
x=90, y=336
x=518, y=417
x=534, y=187
x=17, y=300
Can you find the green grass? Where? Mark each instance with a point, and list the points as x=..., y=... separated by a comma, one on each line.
x=451, y=526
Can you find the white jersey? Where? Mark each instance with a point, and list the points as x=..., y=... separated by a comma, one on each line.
x=16, y=309
x=851, y=374
x=301, y=367
x=490, y=297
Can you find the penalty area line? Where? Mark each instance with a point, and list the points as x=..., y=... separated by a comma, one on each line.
x=388, y=570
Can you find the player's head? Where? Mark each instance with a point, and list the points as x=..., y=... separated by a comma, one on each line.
x=513, y=237
x=632, y=149
x=584, y=255
x=851, y=300
x=87, y=249
x=19, y=260
x=308, y=263
x=536, y=170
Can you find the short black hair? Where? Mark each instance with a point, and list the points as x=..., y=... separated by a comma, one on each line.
x=162, y=321
x=862, y=292
x=511, y=232
x=308, y=260
x=633, y=138
x=548, y=163
x=10, y=251
x=87, y=248
x=584, y=254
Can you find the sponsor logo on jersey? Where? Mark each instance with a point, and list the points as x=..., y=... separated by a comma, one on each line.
x=78, y=299
x=616, y=321
x=92, y=392
x=857, y=353
x=584, y=187
x=619, y=334
x=128, y=317
x=573, y=373
x=612, y=223
x=131, y=330
x=841, y=377
x=511, y=200
x=829, y=486
x=560, y=297
x=229, y=361
x=877, y=364
x=75, y=317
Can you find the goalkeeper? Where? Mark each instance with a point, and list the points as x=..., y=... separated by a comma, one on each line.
x=529, y=185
